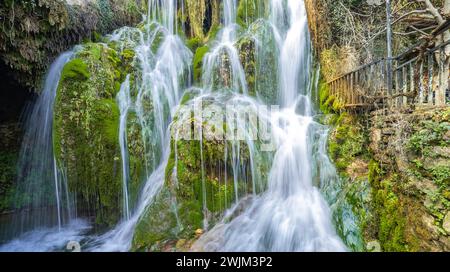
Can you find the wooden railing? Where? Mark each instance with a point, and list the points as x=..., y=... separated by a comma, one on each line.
x=418, y=78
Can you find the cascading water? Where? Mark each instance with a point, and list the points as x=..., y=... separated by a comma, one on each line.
x=124, y=101
x=291, y=215
x=160, y=80
x=42, y=193
x=284, y=211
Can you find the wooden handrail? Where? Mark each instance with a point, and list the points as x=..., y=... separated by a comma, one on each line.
x=361, y=84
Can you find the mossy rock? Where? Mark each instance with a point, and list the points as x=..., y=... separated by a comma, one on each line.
x=347, y=142
x=86, y=119
x=196, y=189
x=198, y=62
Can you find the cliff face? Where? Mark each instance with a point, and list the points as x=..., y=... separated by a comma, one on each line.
x=318, y=24
x=394, y=166
x=411, y=157
x=395, y=174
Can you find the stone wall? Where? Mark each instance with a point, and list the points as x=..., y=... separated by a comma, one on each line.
x=412, y=154
x=405, y=158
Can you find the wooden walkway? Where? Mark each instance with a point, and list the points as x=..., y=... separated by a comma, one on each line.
x=418, y=78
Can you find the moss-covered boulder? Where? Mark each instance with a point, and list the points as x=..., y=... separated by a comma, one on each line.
x=206, y=173
x=86, y=133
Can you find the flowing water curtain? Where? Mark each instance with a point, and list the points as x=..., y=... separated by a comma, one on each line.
x=161, y=72
x=274, y=203
x=124, y=101
x=269, y=222
x=42, y=192
x=222, y=67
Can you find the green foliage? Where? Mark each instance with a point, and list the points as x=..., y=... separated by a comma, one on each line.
x=441, y=175
x=430, y=134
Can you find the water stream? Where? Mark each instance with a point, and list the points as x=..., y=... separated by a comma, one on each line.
x=42, y=195
x=291, y=215
x=286, y=212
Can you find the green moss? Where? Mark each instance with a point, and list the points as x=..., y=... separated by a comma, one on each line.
x=136, y=153
x=194, y=43
x=198, y=62
x=188, y=182
x=392, y=222
x=388, y=209
x=324, y=91
x=327, y=102
x=347, y=142
x=212, y=34
x=246, y=47
x=75, y=69
x=85, y=133
x=261, y=71
x=158, y=224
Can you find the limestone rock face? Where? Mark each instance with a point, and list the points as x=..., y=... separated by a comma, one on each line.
x=446, y=223
x=408, y=173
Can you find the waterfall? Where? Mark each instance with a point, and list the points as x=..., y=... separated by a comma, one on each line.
x=229, y=12
x=37, y=167
x=42, y=195
x=161, y=79
x=124, y=101
x=291, y=215
x=222, y=63
x=294, y=69
x=283, y=211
